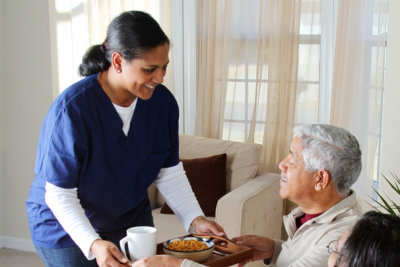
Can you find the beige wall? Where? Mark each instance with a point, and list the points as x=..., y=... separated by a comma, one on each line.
x=391, y=122
x=2, y=199
x=26, y=96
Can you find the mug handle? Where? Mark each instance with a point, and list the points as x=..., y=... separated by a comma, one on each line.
x=122, y=243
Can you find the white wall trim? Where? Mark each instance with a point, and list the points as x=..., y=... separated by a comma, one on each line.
x=17, y=243
x=184, y=57
x=177, y=47
x=53, y=51
x=189, y=64
x=328, y=12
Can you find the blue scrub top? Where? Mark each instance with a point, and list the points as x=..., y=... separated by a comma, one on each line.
x=82, y=146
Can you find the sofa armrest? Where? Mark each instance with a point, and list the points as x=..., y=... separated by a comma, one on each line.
x=253, y=208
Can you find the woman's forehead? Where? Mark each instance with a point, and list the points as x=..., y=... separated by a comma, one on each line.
x=343, y=237
x=155, y=56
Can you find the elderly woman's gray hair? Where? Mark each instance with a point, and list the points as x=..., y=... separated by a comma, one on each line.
x=331, y=148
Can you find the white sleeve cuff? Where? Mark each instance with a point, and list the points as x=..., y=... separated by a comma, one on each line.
x=175, y=187
x=65, y=205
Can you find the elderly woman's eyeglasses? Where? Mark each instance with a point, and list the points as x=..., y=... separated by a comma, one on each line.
x=332, y=247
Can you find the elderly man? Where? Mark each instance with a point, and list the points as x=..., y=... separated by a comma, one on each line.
x=323, y=162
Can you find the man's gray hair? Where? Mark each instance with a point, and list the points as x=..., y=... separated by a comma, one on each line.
x=331, y=148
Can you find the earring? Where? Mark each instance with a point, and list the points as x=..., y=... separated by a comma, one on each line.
x=118, y=70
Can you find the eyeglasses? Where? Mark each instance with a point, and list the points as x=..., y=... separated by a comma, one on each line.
x=332, y=247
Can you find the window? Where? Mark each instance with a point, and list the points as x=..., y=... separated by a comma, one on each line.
x=243, y=73
x=247, y=76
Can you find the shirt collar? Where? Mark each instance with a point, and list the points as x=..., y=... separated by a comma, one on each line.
x=328, y=216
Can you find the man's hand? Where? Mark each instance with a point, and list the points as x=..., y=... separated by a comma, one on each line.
x=263, y=248
x=159, y=260
x=108, y=255
x=202, y=226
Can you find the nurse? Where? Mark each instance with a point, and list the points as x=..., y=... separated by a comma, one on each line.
x=104, y=141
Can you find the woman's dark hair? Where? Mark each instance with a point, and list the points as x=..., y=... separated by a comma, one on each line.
x=373, y=241
x=130, y=34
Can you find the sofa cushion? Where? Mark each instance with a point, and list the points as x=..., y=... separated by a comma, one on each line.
x=243, y=159
x=207, y=177
x=168, y=226
x=242, y=163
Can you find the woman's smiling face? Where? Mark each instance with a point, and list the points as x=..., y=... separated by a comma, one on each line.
x=141, y=75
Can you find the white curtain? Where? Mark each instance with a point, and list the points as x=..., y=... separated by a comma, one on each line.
x=247, y=72
x=259, y=64
x=358, y=79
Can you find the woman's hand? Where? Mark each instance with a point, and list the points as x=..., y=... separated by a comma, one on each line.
x=263, y=247
x=108, y=255
x=159, y=260
x=202, y=226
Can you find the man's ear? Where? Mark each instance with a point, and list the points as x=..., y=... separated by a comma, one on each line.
x=116, y=61
x=322, y=180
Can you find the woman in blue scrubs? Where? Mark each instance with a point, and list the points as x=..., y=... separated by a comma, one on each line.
x=104, y=141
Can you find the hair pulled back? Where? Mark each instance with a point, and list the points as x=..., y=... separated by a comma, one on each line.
x=130, y=34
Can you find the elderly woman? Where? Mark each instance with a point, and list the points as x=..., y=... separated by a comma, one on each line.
x=373, y=241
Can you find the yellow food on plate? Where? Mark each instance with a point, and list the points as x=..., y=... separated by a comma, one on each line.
x=192, y=248
x=187, y=245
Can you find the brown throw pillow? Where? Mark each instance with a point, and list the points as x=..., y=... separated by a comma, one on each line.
x=207, y=176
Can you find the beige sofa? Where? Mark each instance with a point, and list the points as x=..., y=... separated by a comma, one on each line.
x=252, y=204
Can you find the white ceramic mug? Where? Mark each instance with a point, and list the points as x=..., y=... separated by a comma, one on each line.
x=142, y=242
